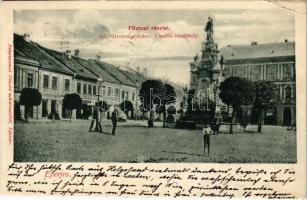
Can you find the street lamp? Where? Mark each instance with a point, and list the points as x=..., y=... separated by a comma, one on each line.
x=98, y=127
x=136, y=99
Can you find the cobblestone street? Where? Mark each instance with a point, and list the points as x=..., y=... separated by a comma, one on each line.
x=44, y=141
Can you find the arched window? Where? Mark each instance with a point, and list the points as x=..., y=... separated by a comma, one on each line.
x=288, y=92
x=203, y=84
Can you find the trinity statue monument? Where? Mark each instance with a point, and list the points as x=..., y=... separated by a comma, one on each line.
x=206, y=70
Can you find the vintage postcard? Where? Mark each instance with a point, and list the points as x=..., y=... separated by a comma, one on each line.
x=153, y=99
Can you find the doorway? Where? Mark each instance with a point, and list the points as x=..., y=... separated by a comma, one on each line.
x=287, y=116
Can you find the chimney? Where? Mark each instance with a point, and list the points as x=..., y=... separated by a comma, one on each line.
x=98, y=57
x=253, y=43
x=26, y=37
x=76, y=52
x=286, y=40
x=68, y=54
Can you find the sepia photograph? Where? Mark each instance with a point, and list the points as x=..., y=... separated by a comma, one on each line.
x=154, y=85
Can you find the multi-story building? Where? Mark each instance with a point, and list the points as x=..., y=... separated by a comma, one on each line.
x=51, y=78
x=55, y=74
x=109, y=84
x=272, y=62
x=127, y=88
x=84, y=82
x=116, y=86
x=25, y=76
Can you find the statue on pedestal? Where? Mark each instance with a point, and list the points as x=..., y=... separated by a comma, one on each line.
x=209, y=29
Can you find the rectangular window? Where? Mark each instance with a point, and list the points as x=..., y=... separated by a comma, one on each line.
x=271, y=72
x=67, y=85
x=133, y=96
x=240, y=71
x=103, y=91
x=255, y=72
x=287, y=71
x=89, y=89
x=84, y=89
x=46, y=81
x=123, y=95
x=54, y=83
x=79, y=88
x=30, y=80
x=227, y=71
x=109, y=91
x=116, y=92
x=94, y=90
x=127, y=95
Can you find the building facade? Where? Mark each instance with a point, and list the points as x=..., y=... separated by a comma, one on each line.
x=271, y=62
x=51, y=78
x=26, y=75
x=55, y=74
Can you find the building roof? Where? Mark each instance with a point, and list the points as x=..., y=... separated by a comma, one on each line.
x=80, y=70
x=134, y=76
x=255, y=51
x=115, y=72
x=32, y=51
x=18, y=53
x=20, y=58
x=94, y=68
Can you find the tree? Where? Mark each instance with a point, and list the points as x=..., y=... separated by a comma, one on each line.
x=30, y=97
x=265, y=97
x=71, y=102
x=126, y=106
x=152, y=93
x=236, y=91
x=170, y=97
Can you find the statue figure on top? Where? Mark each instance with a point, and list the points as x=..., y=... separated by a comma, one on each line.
x=209, y=29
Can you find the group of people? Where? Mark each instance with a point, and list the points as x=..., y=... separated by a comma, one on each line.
x=96, y=118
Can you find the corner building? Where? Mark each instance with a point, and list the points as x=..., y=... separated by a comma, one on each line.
x=271, y=62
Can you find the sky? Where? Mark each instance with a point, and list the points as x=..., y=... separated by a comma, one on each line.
x=166, y=58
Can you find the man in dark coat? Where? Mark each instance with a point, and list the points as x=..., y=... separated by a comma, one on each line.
x=94, y=117
x=114, y=117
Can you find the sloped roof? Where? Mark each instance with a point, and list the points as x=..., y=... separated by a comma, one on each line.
x=134, y=76
x=80, y=70
x=115, y=72
x=268, y=50
x=32, y=51
x=20, y=58
x=18, y=53
x=94, y=68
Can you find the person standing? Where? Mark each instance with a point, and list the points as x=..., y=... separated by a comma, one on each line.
x=206, y=137
x=94, y=117
x=219, y=120
x=114, y=117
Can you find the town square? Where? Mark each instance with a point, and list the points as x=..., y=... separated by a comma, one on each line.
x=195, y=90
x=135, y=142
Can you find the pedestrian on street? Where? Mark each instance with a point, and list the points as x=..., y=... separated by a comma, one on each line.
x=206, y=137
x=114, y=117
x=94, y=117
